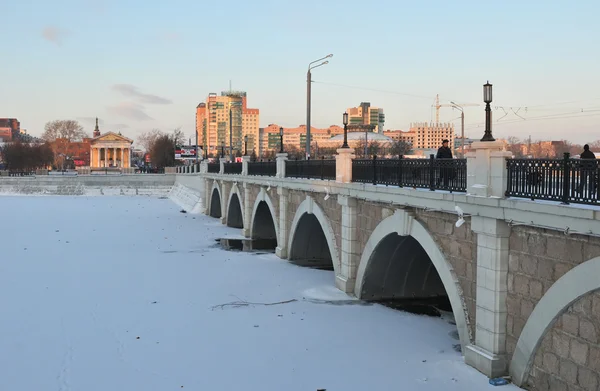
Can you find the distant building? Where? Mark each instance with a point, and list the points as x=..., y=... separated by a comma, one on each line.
x=364, y=114
x=11, y=125
x=270, y=139
x=408, y=136
x=213, y=122
x=430, y=135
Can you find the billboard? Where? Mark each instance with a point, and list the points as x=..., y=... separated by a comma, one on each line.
x=6, y=133
x=188, y=152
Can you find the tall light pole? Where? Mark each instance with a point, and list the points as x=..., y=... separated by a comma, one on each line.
x=196, y=134
x=281, y=139
x=308, y=92
x=487, y=98
x=462, y=128
x=230, y=133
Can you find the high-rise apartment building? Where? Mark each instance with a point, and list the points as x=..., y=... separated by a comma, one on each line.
x=364, y=114
x=408, y=136
x=224, y=118
x=430, y=135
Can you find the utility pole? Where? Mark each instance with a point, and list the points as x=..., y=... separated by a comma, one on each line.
x=308, y=92
x=230, y=133
x=462, y=134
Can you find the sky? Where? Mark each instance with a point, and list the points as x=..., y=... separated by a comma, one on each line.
x=139, y=65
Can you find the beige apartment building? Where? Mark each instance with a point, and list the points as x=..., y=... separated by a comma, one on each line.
x=365, y=114
x=430, y=135
x=224, y=117
x=408, y=136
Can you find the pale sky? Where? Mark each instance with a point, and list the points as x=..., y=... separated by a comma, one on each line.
x=140, y=65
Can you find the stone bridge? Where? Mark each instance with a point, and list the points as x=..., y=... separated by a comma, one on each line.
x=521, y=276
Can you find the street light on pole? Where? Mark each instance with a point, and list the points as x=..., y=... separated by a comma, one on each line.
x=308, y=97
x=281, y=139
x=487, y=98
x=230, y=133
x=345, y=119
x=246, y=145
x=462, y=128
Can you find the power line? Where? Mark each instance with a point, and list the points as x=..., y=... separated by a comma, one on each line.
x=541, y=118
x=374, y=89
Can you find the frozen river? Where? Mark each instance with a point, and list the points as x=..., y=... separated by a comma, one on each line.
x=127, y=293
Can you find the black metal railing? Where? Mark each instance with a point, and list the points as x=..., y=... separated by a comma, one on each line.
x=566, y=180
x=323, y=169
x=432, y=174
x=232, y=168
x=214, y=168
x=267, y=168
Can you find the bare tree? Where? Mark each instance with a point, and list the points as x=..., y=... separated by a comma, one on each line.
x=147, y=139
x=178, y=137
x=514, y=146
x=162, y=152
x=67, y=129
x=400, y=147
x=595, y=146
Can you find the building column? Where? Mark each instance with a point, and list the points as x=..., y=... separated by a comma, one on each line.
x=114, y=159
x=247, y=210
x=350, y=254
x=281, y=250
x=100, y=157
x=488, y=354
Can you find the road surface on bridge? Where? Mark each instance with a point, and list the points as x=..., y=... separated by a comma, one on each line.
x=128, y=293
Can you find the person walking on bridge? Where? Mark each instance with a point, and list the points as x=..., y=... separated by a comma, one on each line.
x=588, y=169
x=446, y=169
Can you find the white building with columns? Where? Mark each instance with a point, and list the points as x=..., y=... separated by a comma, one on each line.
x=109, y=150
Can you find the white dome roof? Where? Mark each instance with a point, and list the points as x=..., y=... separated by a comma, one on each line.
x=371, y=136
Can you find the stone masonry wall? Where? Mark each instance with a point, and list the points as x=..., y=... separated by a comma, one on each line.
x=459, y=246
x=569, y=356
x=538, y=258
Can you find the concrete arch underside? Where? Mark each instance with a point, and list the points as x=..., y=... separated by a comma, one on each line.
x=312, y=239
x=235, y=208
x=402, y=260
x=576, y=283
x=264, y=219
x=214, y=208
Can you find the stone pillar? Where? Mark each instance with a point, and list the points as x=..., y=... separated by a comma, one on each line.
x=245, y=161
x=224, y=197
x=343, y=165
x=247, y=208
x=222, y=160
x=203, y=167
x=350, y=254
x=486, y=169
x=281, y=250
x=280, y=162
x=488, y=354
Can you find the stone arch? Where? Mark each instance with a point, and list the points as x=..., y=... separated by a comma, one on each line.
x=310, y=207
x=263, y=196
x=215, y=210
x=403, y=224
x=578, y=282
x=235, y=212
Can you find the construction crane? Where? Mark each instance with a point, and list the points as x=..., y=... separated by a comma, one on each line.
x=458, y=106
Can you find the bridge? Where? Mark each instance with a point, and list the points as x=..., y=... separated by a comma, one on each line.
x=518, y=259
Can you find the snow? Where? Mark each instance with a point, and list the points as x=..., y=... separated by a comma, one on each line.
x=117, y=293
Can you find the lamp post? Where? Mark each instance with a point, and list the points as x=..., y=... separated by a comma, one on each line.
x=462, y=128
x=281, y=139
x=222, y=148
x=246, y=145
x=230, y=133
x=345, y=119
x=196, y=137
x=308, y=96
x=487, y=98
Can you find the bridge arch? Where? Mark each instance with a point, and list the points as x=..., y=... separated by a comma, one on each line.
x=576, y=283
x=264, y=218
x=388, y=239
x=214, y=206
x=235, y=208
x=311, y=225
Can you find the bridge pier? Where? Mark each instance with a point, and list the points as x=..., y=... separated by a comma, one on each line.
x=282, y=251
x=350, y=252
x=247, y=209
x=488, y=353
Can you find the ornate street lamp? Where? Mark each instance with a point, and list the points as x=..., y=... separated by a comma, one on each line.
x=281, y=139
x=246, y=145
x=345, y=117
x=223, y=149
x=487, y=98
